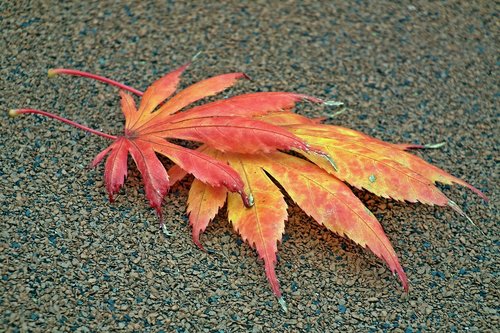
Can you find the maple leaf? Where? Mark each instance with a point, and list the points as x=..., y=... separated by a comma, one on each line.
x=322, y=196
x=378, y=167
x=240, y=137
x=319, y=189
x=148, y=128
x=364, y=162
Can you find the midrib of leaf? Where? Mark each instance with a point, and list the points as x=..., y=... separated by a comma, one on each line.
x=114, y=164
x=352, y=210
x=200, y=203
x=302, y=175
x=254, y=208
x=216, y=153
x=404, y=172
x=148, y=172
x=217, y=126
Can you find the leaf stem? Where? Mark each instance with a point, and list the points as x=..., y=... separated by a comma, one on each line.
x=16, y=112
x=74, y=72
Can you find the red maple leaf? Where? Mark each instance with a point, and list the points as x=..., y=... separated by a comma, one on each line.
x=148, y=128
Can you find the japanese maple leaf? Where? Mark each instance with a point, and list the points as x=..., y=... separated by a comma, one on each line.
x=362, y=161
x=322, y=196
x=148, y=128
x=241, y=135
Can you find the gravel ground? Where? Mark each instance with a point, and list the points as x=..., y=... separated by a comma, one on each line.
x=409, y=71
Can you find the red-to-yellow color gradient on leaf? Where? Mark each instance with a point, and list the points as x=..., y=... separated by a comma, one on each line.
x=322, y=196
x=377, y=166
x=239, y=164
x=263, y=224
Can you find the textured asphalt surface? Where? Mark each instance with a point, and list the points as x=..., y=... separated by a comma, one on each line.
x=421, y=72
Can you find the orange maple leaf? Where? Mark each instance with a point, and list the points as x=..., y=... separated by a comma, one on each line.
x=322, y=196
x=353, y=157
x=241, y=136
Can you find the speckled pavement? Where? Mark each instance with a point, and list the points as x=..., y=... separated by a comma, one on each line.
x=421, y=72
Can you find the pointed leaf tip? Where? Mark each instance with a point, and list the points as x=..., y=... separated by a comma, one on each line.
x=408, y=146
x=248, y=200
x=164, y=230
x=333, y=103
x=245, y=76
x=453, y=205
x=196, y=56
x=435, y=145
x=282, y=302
x=311, y=99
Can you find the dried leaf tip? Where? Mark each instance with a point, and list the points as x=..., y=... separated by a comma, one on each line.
x=196, y=56
x=331, y=161
x=245, y=76
x=333, y=103
x=453, y=205
x=13, y=113
x=248, y=200
x=282, y=302
x=337, y=105
x=434, y=145
x=164, y=230
x=426, y=146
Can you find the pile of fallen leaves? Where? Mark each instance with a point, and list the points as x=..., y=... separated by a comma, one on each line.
x=244, y=154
